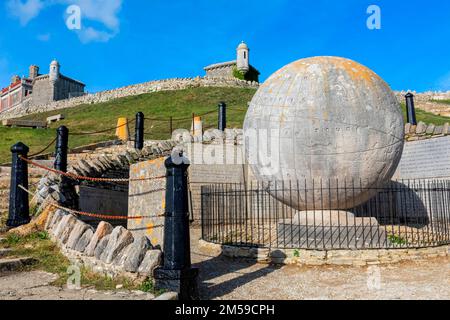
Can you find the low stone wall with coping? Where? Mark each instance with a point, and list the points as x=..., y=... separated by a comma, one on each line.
x=325, y=257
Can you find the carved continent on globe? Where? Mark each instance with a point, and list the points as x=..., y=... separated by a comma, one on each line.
x=330, y=120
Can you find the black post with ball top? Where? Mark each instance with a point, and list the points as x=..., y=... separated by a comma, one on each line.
x=19, y=210
x=410, y=109
x=177, y=274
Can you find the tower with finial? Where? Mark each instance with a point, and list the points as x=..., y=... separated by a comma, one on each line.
x=242, y=61
x=54, y=70
x=239, y=68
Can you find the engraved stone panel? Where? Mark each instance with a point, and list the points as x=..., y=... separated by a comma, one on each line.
x=425, y=159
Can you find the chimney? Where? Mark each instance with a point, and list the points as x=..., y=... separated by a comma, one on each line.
x=15, y=79
x=34, y=72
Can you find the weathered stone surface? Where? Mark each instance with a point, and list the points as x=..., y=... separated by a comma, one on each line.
x=63, y=224
x=407, y=128
x=64, y=235
x=167, y=296
x=324, y=118
x=84, y=240
x=101, y=246
x=79, y=228
x=136, y=253
x=151, y=260
x=430, y=129
x=55, y=219
x=119, y=261
x=103, y=229
x=421, y=128
x=118, y=240
x=445, y=129
x=438, y=130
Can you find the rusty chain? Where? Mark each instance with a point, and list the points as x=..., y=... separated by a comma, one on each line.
x=78, y=177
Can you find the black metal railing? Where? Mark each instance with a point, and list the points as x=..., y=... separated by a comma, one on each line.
x=401, y=214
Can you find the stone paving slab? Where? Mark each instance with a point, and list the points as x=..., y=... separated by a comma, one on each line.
x=4, y=252
x=36, y=285
x=15, y=264
x=224, y=278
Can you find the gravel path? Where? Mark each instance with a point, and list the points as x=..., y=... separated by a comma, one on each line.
x=224, y=278
x=35, y=285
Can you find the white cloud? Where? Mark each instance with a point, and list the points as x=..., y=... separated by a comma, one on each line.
x=26, y=10
x=90, y=34
x=104, y=12
x=44, y=37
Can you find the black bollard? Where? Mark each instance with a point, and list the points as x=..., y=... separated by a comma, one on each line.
x=19, y=211
x=222, y=116
x=139, y=132
x=61, y=149
x=410, y=110
x=177, y=273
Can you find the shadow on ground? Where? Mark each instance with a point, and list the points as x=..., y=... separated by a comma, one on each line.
x=235, y=274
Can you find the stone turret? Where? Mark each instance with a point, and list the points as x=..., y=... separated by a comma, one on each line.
x=54, y=70
x=242, y=61
x=33, y=72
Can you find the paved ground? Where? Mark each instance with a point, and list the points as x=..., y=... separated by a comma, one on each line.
x=224, y=278
x=35, y=285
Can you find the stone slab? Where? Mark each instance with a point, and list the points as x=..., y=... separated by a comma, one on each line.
x=425, y=159
x=24, y=123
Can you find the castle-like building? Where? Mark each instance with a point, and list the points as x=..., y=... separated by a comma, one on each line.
x=239, y=68
x=40, y=89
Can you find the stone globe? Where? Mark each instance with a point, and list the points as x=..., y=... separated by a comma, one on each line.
x=324, y=133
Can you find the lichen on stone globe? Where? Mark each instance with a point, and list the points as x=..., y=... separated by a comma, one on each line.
x=327, y=121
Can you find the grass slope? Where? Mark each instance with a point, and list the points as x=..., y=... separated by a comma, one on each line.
x=96, y=117
x=176, y=104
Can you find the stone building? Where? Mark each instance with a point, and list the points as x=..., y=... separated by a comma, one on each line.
x=39, y=89
x=239, y=68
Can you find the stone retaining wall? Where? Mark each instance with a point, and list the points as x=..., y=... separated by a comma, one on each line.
x=423, y=131
x=107, y=250
x=326, y=257
x=132, y=90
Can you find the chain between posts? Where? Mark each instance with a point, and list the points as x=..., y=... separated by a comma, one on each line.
x=95, y=215
x=101, y=131
x=78, y=177
x=43, y=150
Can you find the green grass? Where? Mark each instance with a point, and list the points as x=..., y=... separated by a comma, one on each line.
x=427, y=117
x=441, y=101
x=176, y=104
x=394, y=239
x=39, y=246
x=96, y=117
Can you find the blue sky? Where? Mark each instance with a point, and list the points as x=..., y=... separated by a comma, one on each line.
x=122, y=42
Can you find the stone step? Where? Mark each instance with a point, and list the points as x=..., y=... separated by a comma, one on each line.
x=4, y=252
x=15, y=264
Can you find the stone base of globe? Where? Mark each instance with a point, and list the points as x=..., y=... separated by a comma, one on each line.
x=330, y=229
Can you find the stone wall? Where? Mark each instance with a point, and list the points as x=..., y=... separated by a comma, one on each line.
x=356, y=258
x=43, y=93
x=147, y=198
x=107, y=250
x=104, y=96
x=423, y=131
